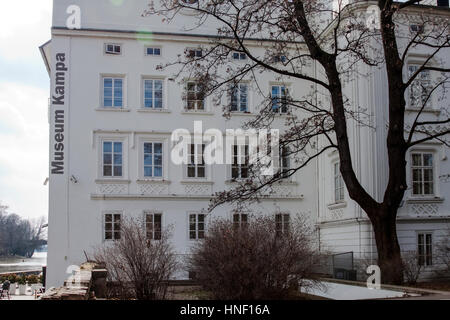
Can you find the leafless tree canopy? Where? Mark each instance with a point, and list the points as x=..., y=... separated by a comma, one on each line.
x=290, y=38
x=253, y=260
x=137, y=263
x=411, y=267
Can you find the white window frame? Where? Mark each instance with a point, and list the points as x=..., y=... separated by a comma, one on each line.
x=243, y=153
x=280, y=97
x=418, y=80
x=239, y=95
x=196, y=51
x=199, y=153
x=279, y=59
x=113, y=143
x=282, y=225
x=422, y=167
x=196, y=101
x=238, y=222
x=282, y=161
x=148, y=213
x=113, y=138
x=242, y=56
x=153, y=55
x=197, y=230
x=338, y=183
x=165, y=164
x=112, y=53
x=426, y=254
x=124, y=91
x=113, y=230
x=163, y=93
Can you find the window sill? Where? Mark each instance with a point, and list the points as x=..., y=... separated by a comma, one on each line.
x=337, y=205
x=150, y=110
x=424, y=199
x=108, y=109
x=193, y=112
x=425, y=110
x=160, y=181
x=286, y=182
x=236, y=181
x=112, y=180
x=196, y=181
x=241, y=113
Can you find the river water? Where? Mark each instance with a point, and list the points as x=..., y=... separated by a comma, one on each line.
x=36, y=262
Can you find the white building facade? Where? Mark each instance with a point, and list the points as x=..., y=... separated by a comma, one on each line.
x=112, y=112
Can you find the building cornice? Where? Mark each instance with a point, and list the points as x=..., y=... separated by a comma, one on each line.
x=157, y=35
x=180, y=197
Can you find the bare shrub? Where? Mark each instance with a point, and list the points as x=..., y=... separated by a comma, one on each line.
x=411, y=267
x=254, y=260
x=137, y=266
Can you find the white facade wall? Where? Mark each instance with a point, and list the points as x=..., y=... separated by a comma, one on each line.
x=344, y=226
x=77, y=209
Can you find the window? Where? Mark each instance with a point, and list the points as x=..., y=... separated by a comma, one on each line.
x=416, y=28
x=284, y=162
x=112, y=92
x=153, y=223
x=280, y=58
x=422, y=174
x=420, y=88
x=194, y=53
x=239, y=167
x=153, y=159
x=279, y=99
x=240, y=220
x=239, y=56
x=196, y=170
x=112, y=159
x=195, y=96
x=111, y=48
x=338, y=183
x=153, y=94
x=239, y=98
x=189, y=1
x=196, y=226
x=112, y=226
x=425, y=249
x=282, y=223
x=152, y=51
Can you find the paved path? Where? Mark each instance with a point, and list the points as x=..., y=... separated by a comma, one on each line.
x=338, y=291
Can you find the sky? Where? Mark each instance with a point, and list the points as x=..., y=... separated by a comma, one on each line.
x=24, y=92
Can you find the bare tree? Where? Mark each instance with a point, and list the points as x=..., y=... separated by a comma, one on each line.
x=138, y=262
x=293, y=38
x=20, y=236
x=255, y=259
x=411, y=267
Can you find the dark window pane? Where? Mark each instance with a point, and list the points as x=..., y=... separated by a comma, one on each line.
x=117, y=171
x=107, y=171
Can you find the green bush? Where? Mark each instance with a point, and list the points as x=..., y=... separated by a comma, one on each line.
x=33, y=279
x=12, y=278
x=22, y=280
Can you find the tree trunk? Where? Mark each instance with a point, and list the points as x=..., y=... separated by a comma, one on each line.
x=389, y=254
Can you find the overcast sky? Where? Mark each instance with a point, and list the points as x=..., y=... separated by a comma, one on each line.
x=24, y=91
